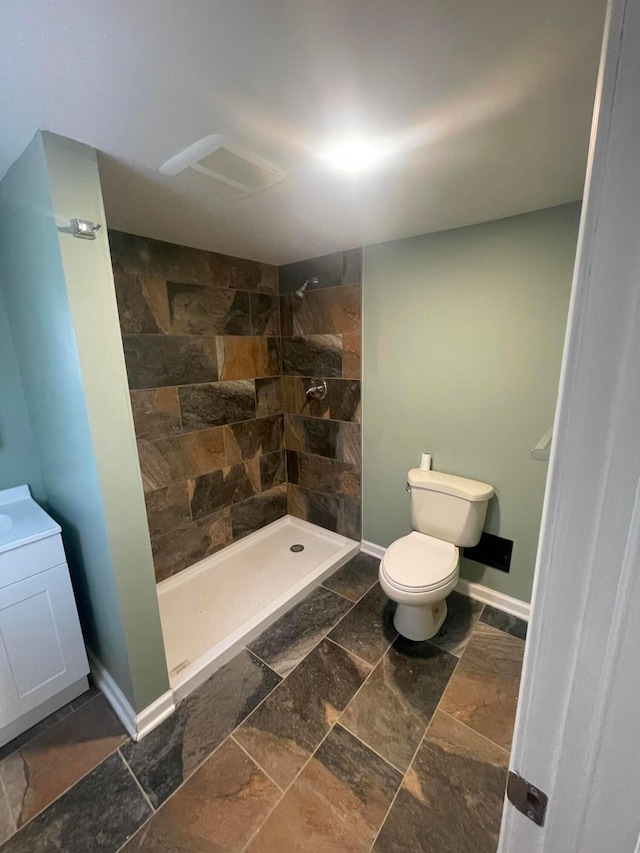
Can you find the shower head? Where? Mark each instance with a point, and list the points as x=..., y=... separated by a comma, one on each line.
x=310, y=282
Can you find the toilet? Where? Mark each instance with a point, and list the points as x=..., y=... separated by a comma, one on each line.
x=419, y=571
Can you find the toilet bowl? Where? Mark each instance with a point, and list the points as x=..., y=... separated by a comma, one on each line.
x=418, y=572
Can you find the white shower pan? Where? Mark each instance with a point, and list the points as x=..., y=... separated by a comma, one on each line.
x=213, y=608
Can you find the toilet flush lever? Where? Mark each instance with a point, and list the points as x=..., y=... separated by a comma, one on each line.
x=408, y=486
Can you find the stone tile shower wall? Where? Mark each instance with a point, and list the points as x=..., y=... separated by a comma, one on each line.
x=201, y=335
x=321, y=338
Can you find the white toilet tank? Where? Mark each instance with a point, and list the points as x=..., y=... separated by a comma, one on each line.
x=448, y=507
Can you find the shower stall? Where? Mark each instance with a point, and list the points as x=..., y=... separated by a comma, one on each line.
x=245, y=393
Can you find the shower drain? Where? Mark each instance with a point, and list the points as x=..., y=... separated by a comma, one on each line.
x=297, y=548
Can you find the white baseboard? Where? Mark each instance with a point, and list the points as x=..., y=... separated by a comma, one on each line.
x=372, y=549
x=496, y=599
x=474, y=590
x=137, y=725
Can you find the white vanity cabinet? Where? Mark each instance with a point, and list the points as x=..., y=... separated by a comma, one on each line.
x=43, y=663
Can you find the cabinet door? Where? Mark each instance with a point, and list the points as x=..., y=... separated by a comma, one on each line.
x=41, y=645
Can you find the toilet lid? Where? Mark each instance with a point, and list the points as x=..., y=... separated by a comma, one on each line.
x=420, y=562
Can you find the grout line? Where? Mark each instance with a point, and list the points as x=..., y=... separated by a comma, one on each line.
x=371, y=666
x=171, y=795
x=358, y=600
x=9, y=810
x=372, y=749
x=257, y=763
x=138, y=783
x=269, y=666
x=507, y=752
x=422, y=739
x=288, y=788
x=335, y=592
x=401, y=785
x=68, y=788
x=325, y=636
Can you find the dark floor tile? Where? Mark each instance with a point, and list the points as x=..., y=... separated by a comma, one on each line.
x=393, y=709
x=34, y=731
x=98, y=814
x=155, y=361
x=367, y=630
x=172, y=751
x=462, y=614
x=451, y=799
x=36, y=774
x=504, y=621
x=258, y=511
x=307, y=354
x=285, y=730
x=290, y=639
x=336, y=804
x=483, y=693
x=7, y=825
x=355, y=578
x=218, y=809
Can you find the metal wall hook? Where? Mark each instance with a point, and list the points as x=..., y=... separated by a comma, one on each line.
x=84, y=228
x=318, y=390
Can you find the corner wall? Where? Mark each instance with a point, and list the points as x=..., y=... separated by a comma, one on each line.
x=61, y=308
x=321, y=339
x=18, y=458
x=463, y=336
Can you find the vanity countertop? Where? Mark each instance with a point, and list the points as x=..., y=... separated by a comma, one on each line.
x=22, y=520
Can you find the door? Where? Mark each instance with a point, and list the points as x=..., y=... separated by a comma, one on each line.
x=41, y=646
x=577, y=736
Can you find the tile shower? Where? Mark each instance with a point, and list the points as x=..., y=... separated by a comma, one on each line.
x=219, y=354
x=252, y=489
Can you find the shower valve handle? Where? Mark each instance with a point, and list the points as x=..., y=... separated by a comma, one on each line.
x=317, y=390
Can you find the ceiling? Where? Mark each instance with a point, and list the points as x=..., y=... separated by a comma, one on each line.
x=487, y=106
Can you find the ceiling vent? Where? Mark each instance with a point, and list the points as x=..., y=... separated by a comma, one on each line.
x=223, y=160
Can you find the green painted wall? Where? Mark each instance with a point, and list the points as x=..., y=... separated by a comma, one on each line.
x=18, y=459
x=463, y=335
x=60, y=302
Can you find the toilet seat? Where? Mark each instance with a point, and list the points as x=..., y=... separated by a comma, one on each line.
x=420, y=563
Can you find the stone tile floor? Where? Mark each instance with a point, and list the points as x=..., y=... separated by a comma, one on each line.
x=328, y=733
